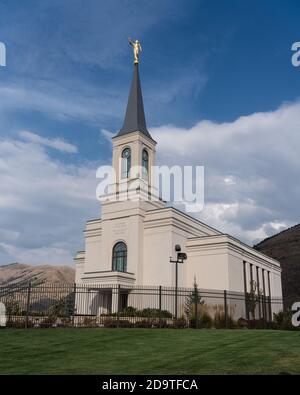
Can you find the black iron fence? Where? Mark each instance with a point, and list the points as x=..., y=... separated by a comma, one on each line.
x=81, y=305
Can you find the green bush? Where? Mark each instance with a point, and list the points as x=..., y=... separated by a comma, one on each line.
x=242, y=323
x=144, y=324
x=179, y=323
x=205, y=321
x=162, y=323
x=129, y=312
x=283, y=320
x=114, y=323
x=148, y=312
x=89, y=322
x=125, y=324
x=110, y=323
x=49, y=321
x=19, y=324
x=257, y=324
x=220, y=321
x=66, y=322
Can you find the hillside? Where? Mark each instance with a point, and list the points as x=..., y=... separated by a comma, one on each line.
x=19, y=273
x=285, y=247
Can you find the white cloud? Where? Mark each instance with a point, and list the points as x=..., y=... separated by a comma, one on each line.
x=252, y=183
x=44, y=203
x=107, y=134
x=55, y=143
x=252, y=169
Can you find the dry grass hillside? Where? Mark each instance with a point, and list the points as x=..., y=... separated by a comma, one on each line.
x=20, y=273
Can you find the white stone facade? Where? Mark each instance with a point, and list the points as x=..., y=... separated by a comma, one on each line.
x=151, y=230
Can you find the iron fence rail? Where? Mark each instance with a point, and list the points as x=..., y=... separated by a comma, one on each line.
x=111, y=305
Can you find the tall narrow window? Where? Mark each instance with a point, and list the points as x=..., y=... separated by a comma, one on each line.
x=145, y=165
x=119, y=257
x=126, y=163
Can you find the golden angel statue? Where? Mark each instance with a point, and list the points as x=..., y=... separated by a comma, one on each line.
x=136, y=49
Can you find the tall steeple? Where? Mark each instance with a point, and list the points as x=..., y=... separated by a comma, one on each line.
x=135, y=115
x=133, y=156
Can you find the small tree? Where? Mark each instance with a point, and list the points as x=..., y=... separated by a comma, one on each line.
x=191, y=300
x=58, y=308
x=253, y=297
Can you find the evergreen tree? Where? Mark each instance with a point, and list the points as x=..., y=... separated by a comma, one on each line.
x=191, y=300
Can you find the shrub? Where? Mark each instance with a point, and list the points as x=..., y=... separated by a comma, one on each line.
x=162, y=324
x=89, y=322
x=19, y=324
x=148, y=312
x=124, y=324
x=129, y=312
x=283, y=320
x=242, y=323
x=110, y=323
x=114, y=323
x=66, y=322
x=220, y=321
x=257, y=324
x=144, y=324
x=192, y=323
x=49, y=322
x=205, y=321
x=179, y=323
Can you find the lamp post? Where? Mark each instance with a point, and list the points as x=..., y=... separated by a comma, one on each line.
x=181, y=257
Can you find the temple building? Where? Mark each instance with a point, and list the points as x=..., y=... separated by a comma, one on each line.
x=133, y=241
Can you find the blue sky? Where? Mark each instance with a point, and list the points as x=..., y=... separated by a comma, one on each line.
x=68, y=72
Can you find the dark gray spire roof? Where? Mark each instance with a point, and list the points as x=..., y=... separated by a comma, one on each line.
x=135, y=115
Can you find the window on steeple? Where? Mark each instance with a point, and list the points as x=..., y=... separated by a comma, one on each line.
x=126, y=163
x=145, y=165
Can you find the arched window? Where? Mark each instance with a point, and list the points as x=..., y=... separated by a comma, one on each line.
x=145, y=165
x=119, y=257
x=126, y=163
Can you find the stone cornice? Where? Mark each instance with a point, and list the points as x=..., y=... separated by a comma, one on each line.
x=233, y=244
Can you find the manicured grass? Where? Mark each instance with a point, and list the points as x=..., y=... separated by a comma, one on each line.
x=148, y=351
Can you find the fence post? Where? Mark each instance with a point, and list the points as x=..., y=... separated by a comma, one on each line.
x=263, y=305
x=270, y=309
x=247, y=307
x=176, y=290
x=259, y=305
x=118, y=305
x=225, y=309
x=159, y=306
x=196, y=307
x=74, y=305
x=28, y=305
x=270, y=298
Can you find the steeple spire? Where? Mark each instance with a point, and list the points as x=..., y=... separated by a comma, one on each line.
x=135, y=115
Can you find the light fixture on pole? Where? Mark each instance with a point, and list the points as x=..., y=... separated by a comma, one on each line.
x=181, y=257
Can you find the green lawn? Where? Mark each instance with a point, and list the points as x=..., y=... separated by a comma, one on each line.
x=148, y=351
